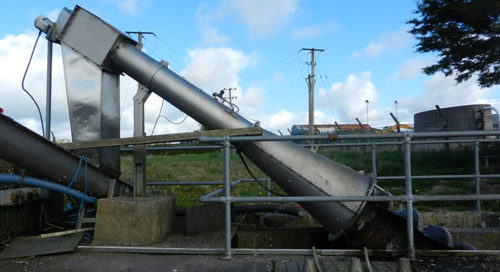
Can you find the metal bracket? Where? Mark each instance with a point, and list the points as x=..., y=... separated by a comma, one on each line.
x=112, y=187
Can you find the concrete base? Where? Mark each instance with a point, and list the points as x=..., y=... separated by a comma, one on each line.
x=134, y=221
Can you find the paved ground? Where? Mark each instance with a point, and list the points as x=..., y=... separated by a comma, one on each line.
x=88, y=261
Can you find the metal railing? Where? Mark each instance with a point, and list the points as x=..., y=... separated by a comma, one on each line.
x=408, y=198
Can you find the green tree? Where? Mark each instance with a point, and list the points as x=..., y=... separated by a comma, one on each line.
x=464, y=33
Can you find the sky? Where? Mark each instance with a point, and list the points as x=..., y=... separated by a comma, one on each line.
x=253, y=46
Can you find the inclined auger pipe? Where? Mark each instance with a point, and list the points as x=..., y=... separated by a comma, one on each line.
x=27, y=149
x=295, y=169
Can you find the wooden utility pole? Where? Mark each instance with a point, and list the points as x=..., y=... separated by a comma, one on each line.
x=310, y=83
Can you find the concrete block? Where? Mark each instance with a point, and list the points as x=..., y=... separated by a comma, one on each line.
x=205, y=218
x=134, y=221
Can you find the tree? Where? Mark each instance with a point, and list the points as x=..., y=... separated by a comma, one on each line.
x=464, y=33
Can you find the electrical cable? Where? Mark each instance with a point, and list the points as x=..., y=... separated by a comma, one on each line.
x=84, y=193
x=175, y=123
x=157, y=117
x=24, y=77
x=255, y=178
x=75, y=176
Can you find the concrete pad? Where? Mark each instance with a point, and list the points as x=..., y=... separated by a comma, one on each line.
x=131, y=221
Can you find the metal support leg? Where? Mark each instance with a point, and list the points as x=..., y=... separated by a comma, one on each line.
x=48, y=100
x=227, y=191
x=409, y=194
x=477, y=179
x=140, y=150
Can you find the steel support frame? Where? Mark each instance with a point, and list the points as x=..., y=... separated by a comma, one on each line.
x=227, y=192
x=140, y=150
x=409, y=195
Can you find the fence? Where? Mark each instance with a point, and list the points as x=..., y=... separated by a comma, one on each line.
x=405, y=139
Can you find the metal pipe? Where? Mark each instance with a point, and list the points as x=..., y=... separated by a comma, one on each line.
x=409, y=195
x=48, y=99
x=35, y=182
x=357, y=136
x=306, y=199
x=477, y=174
x=27, y=149
x=227, y=190
x=293, y=168
x=401, y=198
x=440, y=177
x=186, y=183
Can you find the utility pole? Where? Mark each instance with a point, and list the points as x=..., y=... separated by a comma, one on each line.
x=367, y=102
x=310, y=83
x=140, y=150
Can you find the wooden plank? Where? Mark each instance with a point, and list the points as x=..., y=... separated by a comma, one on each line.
x=175, y=137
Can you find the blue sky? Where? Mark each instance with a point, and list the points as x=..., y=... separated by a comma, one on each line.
x=253, y=45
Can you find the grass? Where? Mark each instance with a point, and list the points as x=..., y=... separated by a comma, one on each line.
x=208, y=165
x=203, y=166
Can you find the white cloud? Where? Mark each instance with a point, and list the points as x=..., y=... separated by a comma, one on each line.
x=14, y=55
x=444, y=91
x=216, y=68
x=251, y=100
x=261, y=17
x=132, y=7
x=209, y=33
x=385, y=43
x=280, y=120
x=349, y=97
x=411, y=68
x=314, y=30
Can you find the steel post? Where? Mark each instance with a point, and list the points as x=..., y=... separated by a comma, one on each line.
x=48, y=99
x=227, y=191
x=140, y=150
x=374, y=160
x=477, y=174
x=409, y=195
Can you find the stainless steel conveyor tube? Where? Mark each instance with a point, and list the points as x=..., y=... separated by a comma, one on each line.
x=295, y=169
x=27, y=149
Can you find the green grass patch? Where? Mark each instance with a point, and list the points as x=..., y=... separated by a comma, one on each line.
x=208, y=166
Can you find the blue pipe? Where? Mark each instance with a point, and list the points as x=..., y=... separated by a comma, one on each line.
x=29, y=181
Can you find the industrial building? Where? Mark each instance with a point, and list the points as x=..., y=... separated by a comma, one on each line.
x=460, y=118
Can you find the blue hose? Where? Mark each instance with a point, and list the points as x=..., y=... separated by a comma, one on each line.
x=29, y=181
